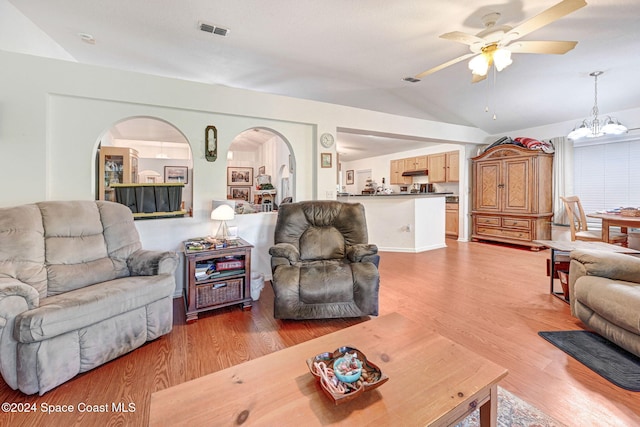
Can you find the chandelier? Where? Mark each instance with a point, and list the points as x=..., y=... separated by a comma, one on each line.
x=594, y=128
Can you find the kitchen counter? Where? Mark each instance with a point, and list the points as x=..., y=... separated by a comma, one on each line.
x=404, y=222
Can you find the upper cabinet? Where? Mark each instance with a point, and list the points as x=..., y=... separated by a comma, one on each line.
x=415, y=163
x=395, y=176
x=453, y=166
x=444, y=167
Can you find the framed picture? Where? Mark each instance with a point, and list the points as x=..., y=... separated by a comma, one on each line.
x=261, y=170
x=176, y=174
x=240, y=176
x=349, y=177
x=325, y=160
x=240, y=193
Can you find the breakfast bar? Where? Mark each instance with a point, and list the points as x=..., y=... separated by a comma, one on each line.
x=404, y=222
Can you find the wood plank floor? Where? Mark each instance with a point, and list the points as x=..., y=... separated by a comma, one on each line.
x=491, y=298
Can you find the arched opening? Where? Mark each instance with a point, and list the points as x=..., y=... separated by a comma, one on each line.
x=146, y=163
x=260, y=169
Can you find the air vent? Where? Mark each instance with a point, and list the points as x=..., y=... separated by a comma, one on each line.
x=209, y=28
x=411, y=79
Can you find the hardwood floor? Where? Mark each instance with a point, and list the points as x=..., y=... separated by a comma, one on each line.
x=492, y=299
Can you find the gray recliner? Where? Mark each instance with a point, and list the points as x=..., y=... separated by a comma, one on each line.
x=322, y=264
x=604, y=291
x=76, y=290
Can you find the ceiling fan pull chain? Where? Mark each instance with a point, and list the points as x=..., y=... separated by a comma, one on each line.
x=488, y=95
x=495, y=79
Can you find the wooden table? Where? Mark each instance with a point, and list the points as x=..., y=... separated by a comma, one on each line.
x=432, y=381
x=615, y=220
x=222, y=288
x=564, y=247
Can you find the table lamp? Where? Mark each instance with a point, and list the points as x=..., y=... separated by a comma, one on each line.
x=223, y=213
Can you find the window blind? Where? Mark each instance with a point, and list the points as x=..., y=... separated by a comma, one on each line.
x=607, y=175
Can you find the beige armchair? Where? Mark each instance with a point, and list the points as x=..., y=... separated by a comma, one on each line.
x=76, y=290
x=604, y=292
x=322, y=263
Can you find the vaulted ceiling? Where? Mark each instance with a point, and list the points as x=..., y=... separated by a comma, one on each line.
x=356, y=53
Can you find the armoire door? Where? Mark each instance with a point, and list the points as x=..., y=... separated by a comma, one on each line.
x=487, y=186
x=516, y=185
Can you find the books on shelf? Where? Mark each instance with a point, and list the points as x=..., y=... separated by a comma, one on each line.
x=209, y=271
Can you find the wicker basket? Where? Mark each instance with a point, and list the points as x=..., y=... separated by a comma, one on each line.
x=630, y=212
x=218, y=292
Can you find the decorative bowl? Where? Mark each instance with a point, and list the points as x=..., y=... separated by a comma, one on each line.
x=347, y=370
x=371, y=377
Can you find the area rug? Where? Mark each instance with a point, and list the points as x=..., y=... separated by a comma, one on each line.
x=514, y=412
x=600, y=355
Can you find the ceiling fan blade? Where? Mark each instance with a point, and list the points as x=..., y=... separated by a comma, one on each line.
x=551, y=47
x=476, y=78
x=445, y=65
x=550, y=15
x=464, y=38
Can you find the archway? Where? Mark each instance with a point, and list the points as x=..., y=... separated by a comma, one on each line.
x=268, y=155
x=144, y=150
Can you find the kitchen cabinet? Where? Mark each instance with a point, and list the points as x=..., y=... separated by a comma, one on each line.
x=444, y=167
x=118, y=165
x=415, y=163
x=395, y=175
x=451, y=220
x=512, y=193
x=453, y=166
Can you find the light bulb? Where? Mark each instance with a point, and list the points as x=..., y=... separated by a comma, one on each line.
x=502, y=59
x=479, y=65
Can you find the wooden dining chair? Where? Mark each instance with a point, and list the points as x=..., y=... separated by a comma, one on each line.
x=578, y=224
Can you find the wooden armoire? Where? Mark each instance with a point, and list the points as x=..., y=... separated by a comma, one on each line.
x=512, y=195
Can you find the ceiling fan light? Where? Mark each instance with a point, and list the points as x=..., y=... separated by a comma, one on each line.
x=502, y=59
x=479, y=65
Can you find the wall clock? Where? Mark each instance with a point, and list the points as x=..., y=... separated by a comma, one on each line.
x=326, y=139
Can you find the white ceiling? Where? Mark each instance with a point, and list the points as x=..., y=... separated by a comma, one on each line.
x=355, y=53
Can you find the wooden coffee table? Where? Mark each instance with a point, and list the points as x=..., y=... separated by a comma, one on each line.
x=432, y=381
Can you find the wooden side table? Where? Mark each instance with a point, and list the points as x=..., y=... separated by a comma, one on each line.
x=216, y=278
x=563, y=248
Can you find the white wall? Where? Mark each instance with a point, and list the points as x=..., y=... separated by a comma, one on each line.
x=52, y=114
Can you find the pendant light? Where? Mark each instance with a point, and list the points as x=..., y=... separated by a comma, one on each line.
x=595, y=127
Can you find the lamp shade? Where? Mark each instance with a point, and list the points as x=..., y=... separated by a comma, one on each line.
x=223, y=213
x=502, y=59
x=479, y=65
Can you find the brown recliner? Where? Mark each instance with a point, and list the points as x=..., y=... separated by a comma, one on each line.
x=322, y=264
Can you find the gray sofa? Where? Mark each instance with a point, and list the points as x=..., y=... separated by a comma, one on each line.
x=322, y=264
x=76, y=290
x=604, y=292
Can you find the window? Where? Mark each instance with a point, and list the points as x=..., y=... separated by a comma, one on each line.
x=607, y=174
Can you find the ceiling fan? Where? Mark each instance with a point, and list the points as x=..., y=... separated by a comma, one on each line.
x=495, y=44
